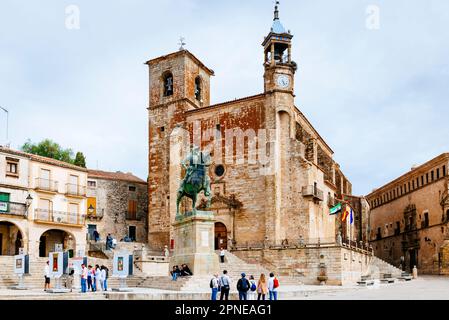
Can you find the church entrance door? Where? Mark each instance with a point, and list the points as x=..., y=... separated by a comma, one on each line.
x=221, y=236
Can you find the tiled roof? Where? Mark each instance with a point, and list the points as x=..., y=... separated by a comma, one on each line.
x=277, y=27
x=41, y=159
x=121, y=176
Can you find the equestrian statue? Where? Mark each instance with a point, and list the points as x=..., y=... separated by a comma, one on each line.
x=196, y=178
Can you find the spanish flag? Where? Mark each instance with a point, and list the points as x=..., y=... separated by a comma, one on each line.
x=348, y=213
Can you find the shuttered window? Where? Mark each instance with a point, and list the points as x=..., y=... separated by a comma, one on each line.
x=132, y=209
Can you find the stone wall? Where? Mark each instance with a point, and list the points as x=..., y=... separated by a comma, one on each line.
x=112, y=198
x=343, y=266
x=398, y=224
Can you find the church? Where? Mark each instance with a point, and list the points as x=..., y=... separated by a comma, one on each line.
x=273, y=177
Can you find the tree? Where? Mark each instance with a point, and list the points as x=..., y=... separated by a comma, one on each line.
x=80, y=160
x=50, y=149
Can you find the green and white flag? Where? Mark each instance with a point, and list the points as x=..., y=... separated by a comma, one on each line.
x=336, y=209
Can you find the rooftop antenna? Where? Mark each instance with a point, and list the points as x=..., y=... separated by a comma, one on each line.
x=181, y=43
x=7, y=125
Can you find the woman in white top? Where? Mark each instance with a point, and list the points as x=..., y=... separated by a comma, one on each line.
x=252, y=288
x=99, y=277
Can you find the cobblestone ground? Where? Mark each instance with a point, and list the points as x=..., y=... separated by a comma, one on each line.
x=423, y=288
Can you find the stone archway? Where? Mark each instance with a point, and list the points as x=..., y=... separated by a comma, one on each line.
x=11, y=238
x=220, y=236
x=51, y=237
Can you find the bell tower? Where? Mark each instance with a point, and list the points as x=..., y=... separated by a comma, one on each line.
x=279, y=67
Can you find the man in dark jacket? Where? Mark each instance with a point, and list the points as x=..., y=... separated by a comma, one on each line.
x=242, y=287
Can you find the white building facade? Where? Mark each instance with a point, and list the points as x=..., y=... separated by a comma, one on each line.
x=42, y=203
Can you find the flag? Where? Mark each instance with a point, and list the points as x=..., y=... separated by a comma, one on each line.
x=345, y=214
x=351, y=216
x=336, y=209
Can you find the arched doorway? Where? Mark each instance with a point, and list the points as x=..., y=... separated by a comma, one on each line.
x=11, y=239
x=50, y=238
x=221, y=236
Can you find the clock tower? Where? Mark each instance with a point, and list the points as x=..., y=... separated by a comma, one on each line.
x=279, y=67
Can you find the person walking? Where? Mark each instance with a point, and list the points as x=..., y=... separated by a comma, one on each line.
x=242, y=287
x=96, y=236
x=252, y=288
x=273, y=285
x=262, y=287
x=47, y=276
x=214, y=285
x=108, y=242
x=166, y=252
x=100, y=278
x=222, y=255
x=105, y=276
x=83, y=275
x=225, y=286
x=97, y=275
x=89, y=278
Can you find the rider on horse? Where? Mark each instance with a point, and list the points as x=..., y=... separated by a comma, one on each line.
x=196, y=178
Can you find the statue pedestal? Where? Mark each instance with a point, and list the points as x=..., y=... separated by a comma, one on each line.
x=194, y=243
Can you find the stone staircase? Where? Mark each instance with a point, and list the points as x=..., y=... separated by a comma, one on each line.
x=35, y=279
x=235, y=266
x=379, y=267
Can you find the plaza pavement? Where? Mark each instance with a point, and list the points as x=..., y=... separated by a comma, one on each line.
x=424, y=288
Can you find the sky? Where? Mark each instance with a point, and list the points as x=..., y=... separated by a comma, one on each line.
x=373, y=76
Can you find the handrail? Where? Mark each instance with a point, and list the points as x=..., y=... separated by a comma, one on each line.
x=62, y=217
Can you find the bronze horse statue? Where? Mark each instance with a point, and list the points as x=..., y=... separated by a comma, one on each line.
x=196, y=178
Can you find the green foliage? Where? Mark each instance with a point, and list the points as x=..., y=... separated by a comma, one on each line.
x=51, y=149
x=80, y=160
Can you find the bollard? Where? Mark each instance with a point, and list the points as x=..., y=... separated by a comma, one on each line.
x=415, y=273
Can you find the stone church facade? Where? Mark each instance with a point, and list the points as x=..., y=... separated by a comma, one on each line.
x=273, y=176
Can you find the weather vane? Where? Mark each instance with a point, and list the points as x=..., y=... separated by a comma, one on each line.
x=181, y=43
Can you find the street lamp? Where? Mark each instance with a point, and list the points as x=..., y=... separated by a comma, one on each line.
x=28, y=202
x=7, y=123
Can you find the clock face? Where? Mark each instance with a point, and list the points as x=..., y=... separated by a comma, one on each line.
x=283, y=81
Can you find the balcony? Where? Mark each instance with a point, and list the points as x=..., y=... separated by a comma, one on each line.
x=13, y=209
x=59, y=217
x=132, y=216
x=312, y=191
x=331, y=202
x=75, y=190
x=46, y=185
x=95, y=216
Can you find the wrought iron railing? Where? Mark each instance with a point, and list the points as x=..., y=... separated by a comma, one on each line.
x=312, y=191
x=286, y=243
x=97, y=215
x=70, y=218
x=46, y=185
x=75, y=190
x=132, y=216
x=13, y=208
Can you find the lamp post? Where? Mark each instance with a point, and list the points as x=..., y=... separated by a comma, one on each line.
x=7, y=123
x=28, y=202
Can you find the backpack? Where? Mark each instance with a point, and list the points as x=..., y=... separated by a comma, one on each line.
x=275, y=283
x=211, y=284
x=245, y=284
x=253, y=286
